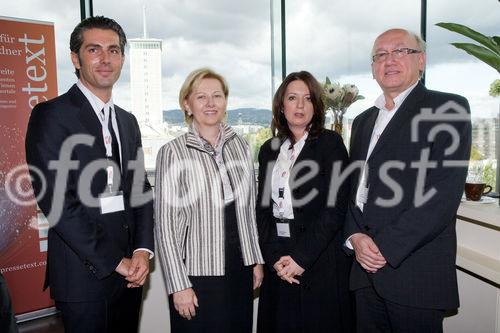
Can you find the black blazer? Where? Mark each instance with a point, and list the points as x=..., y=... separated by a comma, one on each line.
x=85, y=246
x=316, y=242
x=315, y=221
x=417, y=240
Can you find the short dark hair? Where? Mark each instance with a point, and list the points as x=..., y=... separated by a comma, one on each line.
x=96, y=22
x=279, y=125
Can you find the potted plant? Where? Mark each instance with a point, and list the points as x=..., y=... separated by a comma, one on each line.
x=488, y=51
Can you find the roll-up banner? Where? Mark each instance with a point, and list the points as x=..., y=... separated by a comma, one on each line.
x=27, y=77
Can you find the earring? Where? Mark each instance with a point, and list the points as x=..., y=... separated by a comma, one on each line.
x=282, y=111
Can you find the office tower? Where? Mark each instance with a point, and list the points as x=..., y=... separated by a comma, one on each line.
x=145, y=79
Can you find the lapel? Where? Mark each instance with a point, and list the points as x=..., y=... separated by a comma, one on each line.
x=403, y=115
x=306, y=152
x=87, y=117
x=366, y=133
x=124, y=137
x=271, y=162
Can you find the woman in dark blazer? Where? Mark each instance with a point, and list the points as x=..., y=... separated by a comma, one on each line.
x=300, y=214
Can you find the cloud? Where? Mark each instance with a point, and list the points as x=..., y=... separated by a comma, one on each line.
x=326, y=37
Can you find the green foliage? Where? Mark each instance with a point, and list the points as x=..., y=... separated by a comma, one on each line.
x=475, y=154
x=256, y=140
x=495, y=88
x=489, y=49
x=489, y=175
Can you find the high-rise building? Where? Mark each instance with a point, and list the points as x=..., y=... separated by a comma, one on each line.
x=483, y=136
x=145, y=79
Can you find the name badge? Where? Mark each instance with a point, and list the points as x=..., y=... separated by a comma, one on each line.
x=283, y=229
x=111, y=202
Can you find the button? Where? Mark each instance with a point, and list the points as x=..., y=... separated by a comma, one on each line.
x=125, y=226
x=367, y=228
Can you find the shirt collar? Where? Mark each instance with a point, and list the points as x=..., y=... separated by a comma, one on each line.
x=203, y=142
x=287, y=144
x=380, y=101
x=96, y=103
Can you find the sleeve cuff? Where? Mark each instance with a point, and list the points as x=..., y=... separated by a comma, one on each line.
x=348, y=243
x=151, y=253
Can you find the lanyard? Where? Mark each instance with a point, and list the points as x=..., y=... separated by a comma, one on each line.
x=105, y=118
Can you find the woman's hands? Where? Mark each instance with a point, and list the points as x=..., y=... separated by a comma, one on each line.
x=258, y=275
x=287, y=269
x=185, y=302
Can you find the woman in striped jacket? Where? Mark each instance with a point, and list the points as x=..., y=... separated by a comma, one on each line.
x=205, y=217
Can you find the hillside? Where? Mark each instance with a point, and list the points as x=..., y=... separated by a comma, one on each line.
x=248, y=116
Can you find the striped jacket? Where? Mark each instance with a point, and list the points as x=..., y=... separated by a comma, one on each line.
x=189, y=208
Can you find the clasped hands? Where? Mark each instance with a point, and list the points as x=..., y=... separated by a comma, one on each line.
x=287, y=269
x=136, y=269
x=367, y=252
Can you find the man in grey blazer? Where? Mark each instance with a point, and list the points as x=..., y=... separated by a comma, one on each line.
x=412, y=148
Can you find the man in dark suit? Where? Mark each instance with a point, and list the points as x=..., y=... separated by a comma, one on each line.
x=412, y=148
x=91, y=185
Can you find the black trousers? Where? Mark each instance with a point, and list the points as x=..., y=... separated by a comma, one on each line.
x=119, y=313
x=225, y=302
x=7, y=319
x=374, y=314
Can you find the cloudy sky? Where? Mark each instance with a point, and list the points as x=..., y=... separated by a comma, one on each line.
x=327, y=37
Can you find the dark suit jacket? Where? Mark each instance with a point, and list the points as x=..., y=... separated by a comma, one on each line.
x=417, y=240
x=316, y=242
x=85, y=246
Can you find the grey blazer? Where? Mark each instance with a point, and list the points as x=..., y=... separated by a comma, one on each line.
x=189, y=208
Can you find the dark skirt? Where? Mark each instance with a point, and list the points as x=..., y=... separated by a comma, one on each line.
x=320, y=303
x=225, y=302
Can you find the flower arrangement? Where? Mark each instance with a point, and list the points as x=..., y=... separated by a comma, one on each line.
x=338, y=98
x=495, y=88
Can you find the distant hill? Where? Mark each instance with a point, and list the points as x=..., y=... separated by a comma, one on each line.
x=248, y=116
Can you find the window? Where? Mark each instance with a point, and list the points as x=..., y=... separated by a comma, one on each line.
x=453, y=70
x=233, y=38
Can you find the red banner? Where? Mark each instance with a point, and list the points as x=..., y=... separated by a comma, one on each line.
x=27, y=77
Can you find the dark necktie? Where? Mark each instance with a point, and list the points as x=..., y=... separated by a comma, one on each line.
x=115, y=150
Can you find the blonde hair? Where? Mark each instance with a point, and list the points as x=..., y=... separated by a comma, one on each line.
x=194, y=79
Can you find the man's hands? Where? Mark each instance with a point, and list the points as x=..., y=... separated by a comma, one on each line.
x=185, y=302
x=135, y=270
x=367, y=253
x=287, y=269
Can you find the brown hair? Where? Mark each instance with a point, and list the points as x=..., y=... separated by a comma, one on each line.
x=95, y=22
x=193, y=79
x=279, y=125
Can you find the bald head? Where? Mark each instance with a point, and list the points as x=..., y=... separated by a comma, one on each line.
x=398, y=60
x=419, y=42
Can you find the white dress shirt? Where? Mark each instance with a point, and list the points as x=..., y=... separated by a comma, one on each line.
x=281, y=194
x=97, y=105
x=383, y=119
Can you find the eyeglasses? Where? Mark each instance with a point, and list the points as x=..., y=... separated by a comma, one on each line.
x=397, y=54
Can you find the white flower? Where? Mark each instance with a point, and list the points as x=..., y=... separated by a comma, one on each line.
x=339, y=97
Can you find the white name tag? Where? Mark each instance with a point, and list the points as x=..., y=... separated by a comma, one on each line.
x=111, y=203
x=283, y=229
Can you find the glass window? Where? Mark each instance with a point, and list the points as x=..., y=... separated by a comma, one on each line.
x=231, y=37
x=334, y=39
x=453, y=70
x=65, y=15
